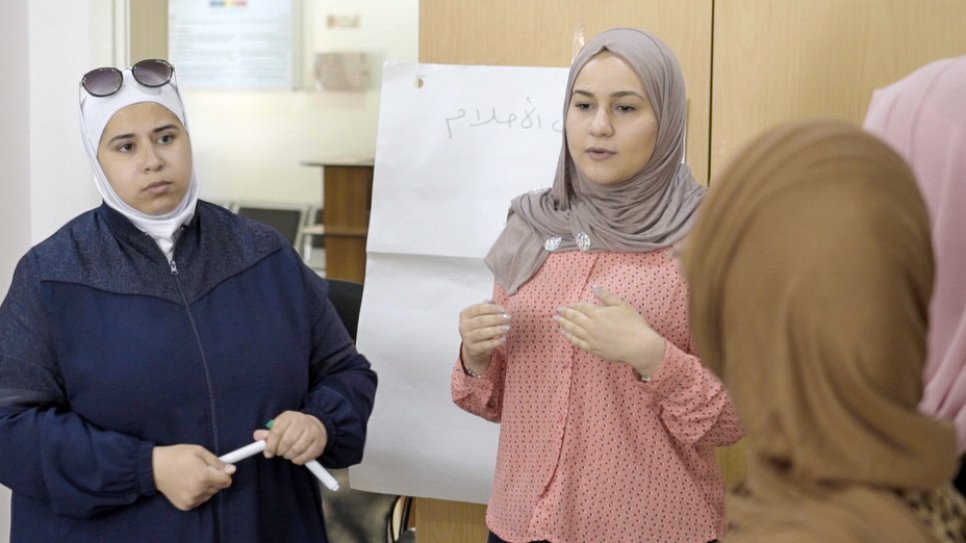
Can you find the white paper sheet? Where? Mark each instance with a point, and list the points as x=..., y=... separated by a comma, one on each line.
x=455, y=145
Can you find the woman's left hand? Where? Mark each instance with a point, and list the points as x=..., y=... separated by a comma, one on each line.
x=294, y=436
x=614, y=331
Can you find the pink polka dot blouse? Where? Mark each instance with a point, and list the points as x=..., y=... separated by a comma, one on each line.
x=588, y=452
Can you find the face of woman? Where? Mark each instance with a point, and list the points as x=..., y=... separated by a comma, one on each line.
x=146, y=154
x=611, y=127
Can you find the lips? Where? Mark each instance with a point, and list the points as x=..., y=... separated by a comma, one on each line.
x=599, y=153
x=158, y=186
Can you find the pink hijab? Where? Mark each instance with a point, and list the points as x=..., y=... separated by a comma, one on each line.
x=924, y=118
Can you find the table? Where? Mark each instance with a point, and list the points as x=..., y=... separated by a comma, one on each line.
x=347, y=200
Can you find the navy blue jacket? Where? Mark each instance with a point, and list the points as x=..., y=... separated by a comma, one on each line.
x=107, y=350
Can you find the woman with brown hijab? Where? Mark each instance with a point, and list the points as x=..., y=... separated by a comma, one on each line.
x=811, y=270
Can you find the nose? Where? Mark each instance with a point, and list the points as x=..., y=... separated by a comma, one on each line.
x=601, y=125
x=150, y=159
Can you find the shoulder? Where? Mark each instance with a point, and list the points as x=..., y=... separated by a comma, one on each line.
x=226, y=244
x=236, y=235
x=68, y=246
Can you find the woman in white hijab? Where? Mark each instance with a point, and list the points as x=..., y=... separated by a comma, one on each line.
x=162, y=206
x=156, y=332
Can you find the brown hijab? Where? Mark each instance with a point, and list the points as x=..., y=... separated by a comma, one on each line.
x=653, y=209
x=810, y=272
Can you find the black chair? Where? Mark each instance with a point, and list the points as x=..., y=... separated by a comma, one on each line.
x=357, y=516
x=346, y=296
x=287, y=220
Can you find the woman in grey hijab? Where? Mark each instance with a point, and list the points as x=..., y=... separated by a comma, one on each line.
x=609, y=421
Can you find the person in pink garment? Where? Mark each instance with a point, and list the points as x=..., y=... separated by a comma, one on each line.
x=923, y=117
x=609, y=420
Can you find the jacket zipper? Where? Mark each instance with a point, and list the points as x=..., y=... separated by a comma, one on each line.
x=219, y=514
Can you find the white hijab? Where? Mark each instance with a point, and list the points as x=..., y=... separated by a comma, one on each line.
x=96, y=112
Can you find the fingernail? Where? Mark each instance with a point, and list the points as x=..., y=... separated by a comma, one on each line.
x=505, y=328
x=506, y=316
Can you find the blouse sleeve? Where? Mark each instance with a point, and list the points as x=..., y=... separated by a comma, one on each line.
x=343, y=385
x=483, y=395
x=50, y=453
x=694, y=404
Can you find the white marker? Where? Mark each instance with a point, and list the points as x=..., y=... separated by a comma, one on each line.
x=238, y=455
x=327, y=479
x=252, y=449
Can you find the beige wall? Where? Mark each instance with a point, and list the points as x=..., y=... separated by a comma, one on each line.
x=778, y=60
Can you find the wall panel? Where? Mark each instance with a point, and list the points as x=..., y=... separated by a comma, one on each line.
x=779, y=60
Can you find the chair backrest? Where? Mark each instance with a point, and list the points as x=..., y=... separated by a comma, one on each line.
x=346, y=296
x=356, y=516
x=287, y=220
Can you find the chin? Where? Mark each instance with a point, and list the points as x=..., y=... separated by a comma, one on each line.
x=156, y=211
x=602, y=178
x=605, y=181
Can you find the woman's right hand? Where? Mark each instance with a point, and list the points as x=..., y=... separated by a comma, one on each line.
x=483, y=328
x=189, y=475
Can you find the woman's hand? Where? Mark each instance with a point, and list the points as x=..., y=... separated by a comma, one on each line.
x=294, y=436
x=189, y=475
x=483, y=328
x=614, y=331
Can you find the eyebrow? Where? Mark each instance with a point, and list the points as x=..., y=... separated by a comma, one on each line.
x=618, y=94
x=155, y=131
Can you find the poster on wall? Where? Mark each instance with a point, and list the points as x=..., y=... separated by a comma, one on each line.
x=233, y=44
x=455, y=144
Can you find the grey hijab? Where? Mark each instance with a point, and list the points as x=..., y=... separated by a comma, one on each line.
x=653, y=209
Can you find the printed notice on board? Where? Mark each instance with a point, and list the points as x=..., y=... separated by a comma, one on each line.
x=232, y=44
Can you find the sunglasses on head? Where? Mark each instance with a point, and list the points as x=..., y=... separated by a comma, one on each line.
x=102, y=82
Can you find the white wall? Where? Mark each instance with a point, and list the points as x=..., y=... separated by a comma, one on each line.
x=45, y=46
x=66, y=38
x=249, y=145
x=14, y=148
x=14, y=163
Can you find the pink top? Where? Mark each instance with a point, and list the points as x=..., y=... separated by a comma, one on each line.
x=924, y=118
x=589, y=452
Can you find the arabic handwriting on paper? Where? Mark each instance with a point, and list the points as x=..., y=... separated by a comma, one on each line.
x=527, y=119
